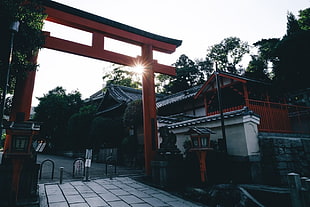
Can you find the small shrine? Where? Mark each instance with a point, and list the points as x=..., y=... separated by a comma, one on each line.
x=239, y=92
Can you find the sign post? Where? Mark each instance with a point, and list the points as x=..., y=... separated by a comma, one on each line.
x=88, y=157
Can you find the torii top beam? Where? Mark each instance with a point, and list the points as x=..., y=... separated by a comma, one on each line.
x=101, y=27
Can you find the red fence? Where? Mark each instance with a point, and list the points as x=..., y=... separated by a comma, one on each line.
x=225, y=110
x=277, y=117
x=273, y=116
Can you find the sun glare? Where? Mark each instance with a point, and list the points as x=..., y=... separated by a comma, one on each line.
x=138, y=68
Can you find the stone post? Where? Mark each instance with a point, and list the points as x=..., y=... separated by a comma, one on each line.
x=295, y=189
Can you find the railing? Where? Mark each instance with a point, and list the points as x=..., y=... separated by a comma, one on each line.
x=277, y=117
x=285, y=118
x=273, y=116
x=226, y=110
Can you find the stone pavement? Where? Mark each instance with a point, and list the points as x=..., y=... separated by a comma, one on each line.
x=118, y=192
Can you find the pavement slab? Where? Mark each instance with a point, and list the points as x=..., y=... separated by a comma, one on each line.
x=131, y=199
x=109, y=197
x=118, y=192
x=118, y=204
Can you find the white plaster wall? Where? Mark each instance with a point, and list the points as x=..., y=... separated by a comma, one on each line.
x=236, y=140
x=241, y=134
x=198, y=112
x=235, y=135
x=251, y=132
x=181, y=137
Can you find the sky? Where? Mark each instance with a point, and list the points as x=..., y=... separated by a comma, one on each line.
x=198, y=23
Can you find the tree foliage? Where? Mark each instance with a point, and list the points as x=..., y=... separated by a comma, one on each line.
x=189, y=73
x=261, y=65
x=106, y=131
x=123, y=76
x=54, y=110
x=133, y=114
x=79, y=125
x=292, y=25
x=27, y=41
x=304, y=19
x=285, y=60
x=228, y=53
x=293, y=52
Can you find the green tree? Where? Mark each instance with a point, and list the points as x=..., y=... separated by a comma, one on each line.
x=106, y=131
x=189, y=73
x=133, y=114
x=292, y=25
x=54, y=110
x=304, y=19
x=261, y=65
x=228, y=53
x=27, y=41
x=124, y=76
x=132, y=118
x=293, y=52
x=79, y=126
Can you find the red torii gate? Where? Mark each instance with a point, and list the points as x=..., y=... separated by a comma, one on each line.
x=101, y=27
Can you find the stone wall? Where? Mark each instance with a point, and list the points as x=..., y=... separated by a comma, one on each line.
x=282, y=154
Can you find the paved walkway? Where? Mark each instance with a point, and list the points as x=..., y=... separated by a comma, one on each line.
x=96, y=171
x=118, y=192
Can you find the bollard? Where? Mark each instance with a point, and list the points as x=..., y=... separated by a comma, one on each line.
x=295, y=188
x=111, y=170
x=86, y=174
x=61, y=171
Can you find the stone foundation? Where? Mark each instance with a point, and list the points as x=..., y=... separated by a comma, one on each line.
x=283, y=154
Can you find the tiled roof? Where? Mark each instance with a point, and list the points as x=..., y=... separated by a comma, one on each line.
x=209, y=84
x=243, y=78
x=98, y=95
x=195, y=121
x=182, y=95
x=175, y=118
x=124, y=94
x=200, y=130
x=110, y=109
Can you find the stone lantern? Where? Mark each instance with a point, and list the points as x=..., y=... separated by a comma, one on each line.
x=200, y=141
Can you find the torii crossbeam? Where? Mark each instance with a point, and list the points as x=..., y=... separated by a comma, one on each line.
x=100, y=28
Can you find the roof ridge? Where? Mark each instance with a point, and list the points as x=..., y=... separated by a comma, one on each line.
x=244, y=111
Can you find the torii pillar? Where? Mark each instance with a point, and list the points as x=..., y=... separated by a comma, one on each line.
x=149, y=108
x=100, y=28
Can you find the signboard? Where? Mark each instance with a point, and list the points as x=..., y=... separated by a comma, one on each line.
x=40, y=146
x=88, y=157
x=88, y=154
x=87, y=162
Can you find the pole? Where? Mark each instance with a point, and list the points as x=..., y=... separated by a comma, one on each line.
x=149, y=108
x=219, y=97
x=294, y=184
x=13, y=29
x=61, y=172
